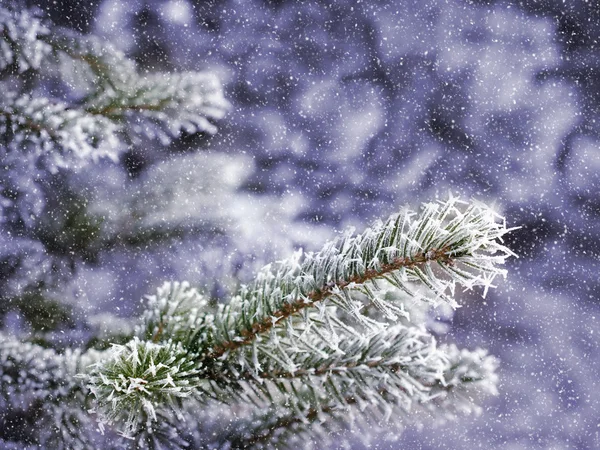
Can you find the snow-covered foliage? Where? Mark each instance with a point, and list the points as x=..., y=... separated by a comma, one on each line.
x=81, y=100
x=70, y=100
x=299, y=342
x=341, y=112
x=39, y=391
x=42, y=126
x=157, y=105
x=106, y=90
x=141, y=376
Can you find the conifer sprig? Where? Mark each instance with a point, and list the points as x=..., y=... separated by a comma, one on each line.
x=41, y=385
x=287, y=340
x=462, y=240
x=111, y=104
x=56, y=131
x=141, y=376
x=156, y=105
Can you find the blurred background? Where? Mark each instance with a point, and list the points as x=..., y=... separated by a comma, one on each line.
x=343, y=112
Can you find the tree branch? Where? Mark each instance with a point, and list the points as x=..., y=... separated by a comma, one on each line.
x=289, y=309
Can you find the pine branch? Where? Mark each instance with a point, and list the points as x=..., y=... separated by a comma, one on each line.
x=469, y=377
x=285, y=339
x=158, y=105
x=29, y=372
x=54, y=128
x=461, y=242
x=40, y=384
x=396, y=366
x=331, y=289
x=271, y=428
x=175, y=102
x=166, y=433
x=104, y=66
x=139, y=377
x=120, y=104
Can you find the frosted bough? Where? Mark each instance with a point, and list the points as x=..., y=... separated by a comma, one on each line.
x=318, y=343
x=110, y=104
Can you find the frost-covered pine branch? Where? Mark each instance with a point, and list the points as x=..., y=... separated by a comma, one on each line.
x=156, y=105
x=301, y=344
x=50, y=128
x=109, y=104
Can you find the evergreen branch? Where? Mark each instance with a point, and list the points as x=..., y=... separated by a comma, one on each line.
x=56, y=129
x=468, y=377
x=159, y=105
x=139, y=377
x=166, y=433
x=106, y=67
x=40, y=384
x=398, y=366
x=281, y=426
x=277, y=427
x=349, y=359
x=163, y=105
x=121, y=104
x=398, y=251
x=29, y=372
x=285, y=338
x=176, y=313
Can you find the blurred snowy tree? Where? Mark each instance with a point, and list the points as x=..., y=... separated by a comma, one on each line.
x=70, y=100
x=302, y=351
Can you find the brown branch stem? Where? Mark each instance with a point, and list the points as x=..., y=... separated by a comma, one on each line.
x=30, y=124
x=289, y=309
x=114, y=110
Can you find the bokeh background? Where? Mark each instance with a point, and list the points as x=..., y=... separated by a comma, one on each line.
x=343, y=112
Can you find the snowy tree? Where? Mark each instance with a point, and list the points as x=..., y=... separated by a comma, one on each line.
x=70, y=101
x=321, y=344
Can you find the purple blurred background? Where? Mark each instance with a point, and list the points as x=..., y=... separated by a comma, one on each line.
x=343, y=112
